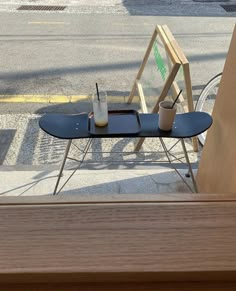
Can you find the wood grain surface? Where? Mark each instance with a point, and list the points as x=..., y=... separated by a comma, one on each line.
x=217, y=167
x=122, y=242
x=116, y=198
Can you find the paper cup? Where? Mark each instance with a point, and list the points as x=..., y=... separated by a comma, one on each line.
x=166, y=115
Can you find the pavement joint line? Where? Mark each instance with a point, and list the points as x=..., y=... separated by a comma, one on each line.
x=49, y=22
x=57, y=98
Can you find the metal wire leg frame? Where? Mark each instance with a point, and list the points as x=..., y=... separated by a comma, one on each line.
x=189, y=166
x=86, y=148
x=187, y=161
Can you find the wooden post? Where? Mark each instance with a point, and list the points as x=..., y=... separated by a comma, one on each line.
x=217, y=168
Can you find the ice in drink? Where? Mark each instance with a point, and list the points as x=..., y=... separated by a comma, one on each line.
x=100, y=109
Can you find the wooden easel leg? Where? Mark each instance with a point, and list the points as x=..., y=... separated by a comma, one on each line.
x=162, y=96
x=166, y=87
x=138, y=145
x=131, y=96
x=145, y=59
x=189, y=94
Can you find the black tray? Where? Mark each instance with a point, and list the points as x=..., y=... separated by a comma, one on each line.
x=120, y=122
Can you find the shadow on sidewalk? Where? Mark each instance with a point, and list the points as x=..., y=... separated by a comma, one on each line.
x=6, y=138
x=107, y=182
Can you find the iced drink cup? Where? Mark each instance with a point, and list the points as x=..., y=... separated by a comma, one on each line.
x=100, y=111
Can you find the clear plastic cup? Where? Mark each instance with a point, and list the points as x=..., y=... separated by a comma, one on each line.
x=100, y=109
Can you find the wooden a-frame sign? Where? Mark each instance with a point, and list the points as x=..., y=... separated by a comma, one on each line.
x=177, y=58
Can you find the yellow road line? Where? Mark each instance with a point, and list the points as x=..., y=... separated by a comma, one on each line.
x=41, y=98
x=57, y=98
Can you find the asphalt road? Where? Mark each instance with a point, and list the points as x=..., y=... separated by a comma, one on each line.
x=66, y=53
x=132, y=7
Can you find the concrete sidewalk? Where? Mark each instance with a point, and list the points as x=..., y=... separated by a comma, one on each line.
x=84, y=182
x=31, y=162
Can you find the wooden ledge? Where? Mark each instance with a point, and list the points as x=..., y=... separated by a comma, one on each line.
x=119, y=242
x=116, y=198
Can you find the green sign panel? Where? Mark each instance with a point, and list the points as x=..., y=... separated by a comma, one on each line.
x=159, y=61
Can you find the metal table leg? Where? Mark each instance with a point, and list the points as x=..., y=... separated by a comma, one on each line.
x=86, y=148
x=189, y=165
x=62, y=165
x=165, y=150
x=187, y=161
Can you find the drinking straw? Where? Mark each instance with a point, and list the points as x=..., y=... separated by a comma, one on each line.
x=97, y=91
x=176, y=99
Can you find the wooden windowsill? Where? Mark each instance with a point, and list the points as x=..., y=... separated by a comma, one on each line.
x=56, y=240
